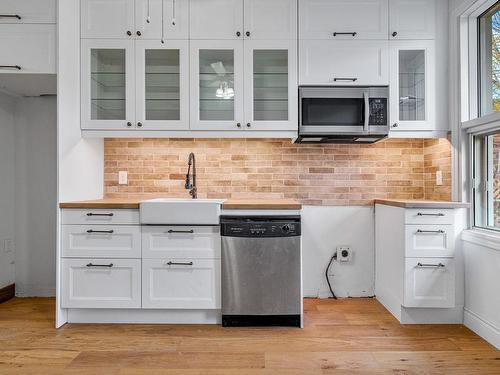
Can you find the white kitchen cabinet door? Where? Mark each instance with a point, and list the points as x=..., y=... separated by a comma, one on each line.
x=173, y=25
x=181, y=284
x=28, y=48
x=429, y=240
x=343, y=19
x=270, y=85
x=429, y=283
x=107, y=19
x=107, y=84
x=343, y=62
x=413, y=85
x=412, y=19
x=216, y=79
x=216, y=19
x=162, y=84
x=270, y=20
x=89, y=216
x=101, y=241
x=28, y=11
x=101, y=283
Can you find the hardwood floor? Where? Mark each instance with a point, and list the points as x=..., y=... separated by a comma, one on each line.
x=352, y=336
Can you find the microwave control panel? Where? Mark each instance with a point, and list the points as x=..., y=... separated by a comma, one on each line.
x=378, y=111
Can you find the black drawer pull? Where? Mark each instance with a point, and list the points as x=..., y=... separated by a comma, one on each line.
x=179, y=263
x=17, y=67
x=422, y=214
x=180, y=231
x=430, y=231
x=101, y=231
x=337, y=79
x=424, y=265
x=100, y=265
x=10, y=16
x=353, y=33
x=93, y=214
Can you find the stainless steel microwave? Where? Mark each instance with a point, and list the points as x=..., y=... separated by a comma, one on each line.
x=343, y=114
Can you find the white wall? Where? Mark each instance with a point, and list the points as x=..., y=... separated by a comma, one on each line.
x=323, y=229
x=7, y=187
x=36, y=195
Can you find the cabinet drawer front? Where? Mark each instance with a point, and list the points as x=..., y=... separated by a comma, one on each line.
x=28, y=48
x=101, y=283
x=429, y=240
x=429, y=282
x=181, y=283
x=100, y=216
x=325, y=62
x=428, y=216
x=29, y=11
x=101, y=241
x=181, y=242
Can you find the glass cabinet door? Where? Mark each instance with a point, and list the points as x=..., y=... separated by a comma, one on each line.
x=162, y=85
x=412, y=86
x=107, y=84
x=270, y=85
x=216, y=85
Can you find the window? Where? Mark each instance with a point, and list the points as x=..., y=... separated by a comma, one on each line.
x=489, y=60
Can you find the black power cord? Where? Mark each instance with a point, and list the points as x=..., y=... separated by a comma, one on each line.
x=326, y=275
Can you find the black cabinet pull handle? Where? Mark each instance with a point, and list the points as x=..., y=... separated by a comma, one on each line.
x=100, y=265
x=439, y=265
x=353, y=33
x=238, y=125
x=179, y=263
x=103, y=214
x=429, y=231
x=247, y=33
x=395, y=125
x=139, y=124
x=129, y=33
x=394, y=33
x=17, y=67
x=138, y=33
x=10, y=16
x=423, y=214
x=238, y=33
x=181, y=231
x=101, y=231
x=248, y=125
x=337, y=79
x=129, y=124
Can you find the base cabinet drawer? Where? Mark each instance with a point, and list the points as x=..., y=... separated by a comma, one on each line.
x=429, y=283
x=101, y=241
x=101, y=283
x=429, y=216
x=429, y=240
x=181, y=284
x=28, y=11
x=181, y=242
x=100, y=216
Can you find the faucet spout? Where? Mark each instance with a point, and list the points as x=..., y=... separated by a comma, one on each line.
x=193, y=190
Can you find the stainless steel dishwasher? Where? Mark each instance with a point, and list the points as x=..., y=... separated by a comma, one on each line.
x=261, y=271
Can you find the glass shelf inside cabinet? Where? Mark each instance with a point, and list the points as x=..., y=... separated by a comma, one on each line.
x=216, y=85
x=412, y=85
x=108, y=84
x=162, y=84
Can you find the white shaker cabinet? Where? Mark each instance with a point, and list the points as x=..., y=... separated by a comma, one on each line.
x=412, y=19
x=27, y=11
x=271, y=20
x=216, y=19
x=413, y=85
x=343, y=19
x=107, y=18
x=344, y=62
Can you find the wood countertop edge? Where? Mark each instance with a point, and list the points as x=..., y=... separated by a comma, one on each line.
x=421, y=204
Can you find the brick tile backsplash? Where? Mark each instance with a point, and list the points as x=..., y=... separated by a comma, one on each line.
x=273, y=168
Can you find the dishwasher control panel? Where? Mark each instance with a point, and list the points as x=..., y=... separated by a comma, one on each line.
x=248, y=226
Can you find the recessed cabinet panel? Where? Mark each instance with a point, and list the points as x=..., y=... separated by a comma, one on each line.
x=108, y=84
x=429, y=282
x=344, y=63
x=270, y=20
x=216, y=19
x=412, y=19
x=107, y=18
x=343, y=19
x=412, y=85
x=162, y=85
x=429, y=240
x=28, y=11
x=173, y=25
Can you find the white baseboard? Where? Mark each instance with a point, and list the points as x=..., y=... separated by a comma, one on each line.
x=482, y=327
x=31, y=290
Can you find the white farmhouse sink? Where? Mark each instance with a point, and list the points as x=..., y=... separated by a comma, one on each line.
x=180, y=211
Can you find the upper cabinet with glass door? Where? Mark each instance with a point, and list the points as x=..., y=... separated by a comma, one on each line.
x=412, y=19
x=136, y=19
x=413, y=87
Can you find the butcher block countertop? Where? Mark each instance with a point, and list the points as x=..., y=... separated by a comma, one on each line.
x=229, y=204
x=421, y=204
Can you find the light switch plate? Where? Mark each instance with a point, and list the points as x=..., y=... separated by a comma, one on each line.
x=122, y=178
x=439, y=177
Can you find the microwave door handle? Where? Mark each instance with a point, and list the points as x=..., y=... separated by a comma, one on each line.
x=367, y=111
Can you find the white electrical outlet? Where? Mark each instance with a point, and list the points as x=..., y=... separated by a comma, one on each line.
x=8, y=245
x=344, y=253
x=439, y=177
x=122, y=178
